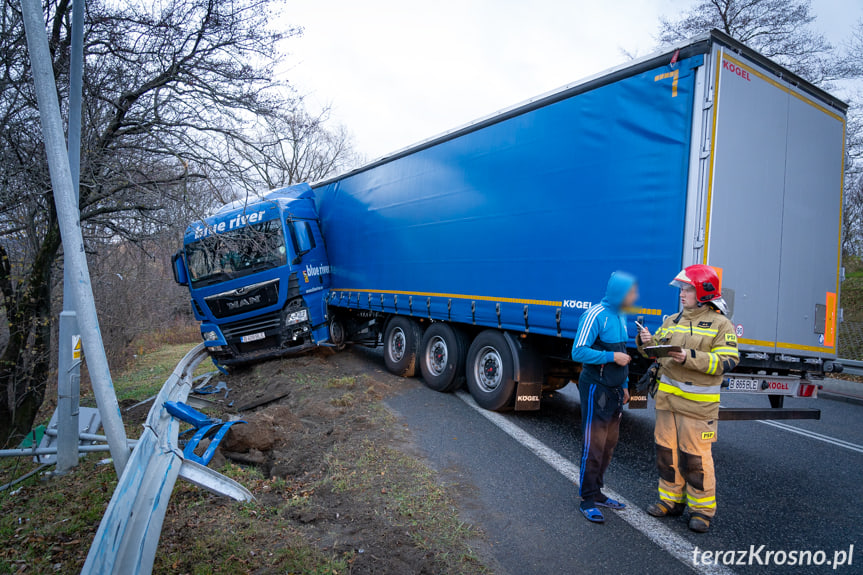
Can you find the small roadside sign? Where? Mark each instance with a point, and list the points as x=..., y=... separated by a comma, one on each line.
x=76, y=347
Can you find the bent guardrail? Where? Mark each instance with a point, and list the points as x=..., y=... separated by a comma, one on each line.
x=128, y=535
x=851, y=366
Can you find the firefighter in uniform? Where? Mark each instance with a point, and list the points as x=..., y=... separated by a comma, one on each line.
x=687, y=395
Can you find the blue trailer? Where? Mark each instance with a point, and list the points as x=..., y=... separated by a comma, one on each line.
x=471, y=256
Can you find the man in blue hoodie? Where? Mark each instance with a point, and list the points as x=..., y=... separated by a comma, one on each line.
x=600, y=346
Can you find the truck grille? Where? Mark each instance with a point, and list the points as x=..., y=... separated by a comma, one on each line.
x=244, y=299
x=269, y=324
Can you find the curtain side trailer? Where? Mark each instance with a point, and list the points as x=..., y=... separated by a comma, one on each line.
x=472, y=255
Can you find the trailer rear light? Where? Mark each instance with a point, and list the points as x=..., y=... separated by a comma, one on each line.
x=806, y=390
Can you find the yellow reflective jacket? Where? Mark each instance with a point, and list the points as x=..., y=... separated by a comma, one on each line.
x=692, y=388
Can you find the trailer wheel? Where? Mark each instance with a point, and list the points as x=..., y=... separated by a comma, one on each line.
x=401, y=344
x=442, y=357
x=490, y=371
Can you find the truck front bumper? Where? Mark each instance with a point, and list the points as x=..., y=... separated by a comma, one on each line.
x=257, y=338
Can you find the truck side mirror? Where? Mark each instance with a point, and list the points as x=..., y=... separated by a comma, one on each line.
x=178, y=266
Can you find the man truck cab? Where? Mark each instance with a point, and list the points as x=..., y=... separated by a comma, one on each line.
x=257, y=272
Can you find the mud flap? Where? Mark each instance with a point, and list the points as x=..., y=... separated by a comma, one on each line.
x=637, y=400
x=528, y=396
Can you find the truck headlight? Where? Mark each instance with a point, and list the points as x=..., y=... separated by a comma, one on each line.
x=297, y=317
x=210, y=336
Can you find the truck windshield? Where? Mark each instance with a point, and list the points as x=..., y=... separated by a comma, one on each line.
x=236, y=253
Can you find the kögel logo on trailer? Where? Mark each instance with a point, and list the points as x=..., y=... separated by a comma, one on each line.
x=736, y=69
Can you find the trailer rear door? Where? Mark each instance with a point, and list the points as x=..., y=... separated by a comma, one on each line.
x=773, y=218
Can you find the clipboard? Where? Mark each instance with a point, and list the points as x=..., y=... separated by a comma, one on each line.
x=661, y=350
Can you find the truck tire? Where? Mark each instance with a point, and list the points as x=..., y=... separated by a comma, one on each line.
x=337, y=332
x=490, y=371
x=442, y=357
x=401, y=345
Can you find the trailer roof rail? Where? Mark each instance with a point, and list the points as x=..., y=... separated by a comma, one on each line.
x=688, y=48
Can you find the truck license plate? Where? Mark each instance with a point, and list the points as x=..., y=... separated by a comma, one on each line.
x=768, y=385
x=744, y=384
x=253, y=337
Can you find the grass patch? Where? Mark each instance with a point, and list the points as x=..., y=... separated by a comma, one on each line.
x=147, y=371
x=852, y=297
x=342, y=382
x=48, y=526
x=405, y=488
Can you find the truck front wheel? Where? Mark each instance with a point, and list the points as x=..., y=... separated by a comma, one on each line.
x=401, y=344
x=442, y=357
x=490, y=371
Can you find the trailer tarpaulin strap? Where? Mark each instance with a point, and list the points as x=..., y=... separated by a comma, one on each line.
x=535, y=195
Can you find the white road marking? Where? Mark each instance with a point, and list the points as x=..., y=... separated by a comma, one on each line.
x=813, y=435
x=652, y=528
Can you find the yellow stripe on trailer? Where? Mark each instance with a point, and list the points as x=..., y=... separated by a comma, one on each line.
x=550, y=303
x=783, y=345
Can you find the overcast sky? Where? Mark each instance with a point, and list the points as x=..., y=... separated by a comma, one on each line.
x=396, y=72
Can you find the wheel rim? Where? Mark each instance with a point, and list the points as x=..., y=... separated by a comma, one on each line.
x=437, y=355
x=337, y=333
x=488, y=369
x=397, y=345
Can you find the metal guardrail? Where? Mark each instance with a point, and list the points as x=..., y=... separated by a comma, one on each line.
x=851, y=366
x=128, y=535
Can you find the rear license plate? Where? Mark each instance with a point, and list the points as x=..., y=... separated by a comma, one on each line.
x=253, y=337
x=768, y=385
x=744, y=384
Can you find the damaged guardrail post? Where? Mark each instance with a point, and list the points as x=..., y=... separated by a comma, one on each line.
x=70, y=231
x=128, y=535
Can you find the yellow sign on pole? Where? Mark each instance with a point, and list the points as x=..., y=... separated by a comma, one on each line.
x=76, y=347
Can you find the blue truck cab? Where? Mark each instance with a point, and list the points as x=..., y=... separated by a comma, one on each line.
x=257, y=273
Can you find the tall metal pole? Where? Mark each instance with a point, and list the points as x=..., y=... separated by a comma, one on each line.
x=69, y=366
x=70, y=230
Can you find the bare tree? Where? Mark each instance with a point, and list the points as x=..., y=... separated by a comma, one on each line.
x=853, y=214
x=779, y=29
x=289, y=148
x=162, y=81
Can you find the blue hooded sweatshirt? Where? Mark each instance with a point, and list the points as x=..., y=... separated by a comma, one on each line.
x=604, y=321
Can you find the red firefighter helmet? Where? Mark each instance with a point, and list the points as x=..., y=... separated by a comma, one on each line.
x=701, y=277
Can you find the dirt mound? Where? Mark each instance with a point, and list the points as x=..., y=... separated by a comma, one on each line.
x=262, y=430
x=324, y=444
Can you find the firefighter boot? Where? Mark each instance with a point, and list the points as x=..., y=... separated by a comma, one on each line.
x=665, y=509
x=699, y=523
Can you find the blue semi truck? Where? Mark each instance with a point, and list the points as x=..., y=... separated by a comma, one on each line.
x=472, y=255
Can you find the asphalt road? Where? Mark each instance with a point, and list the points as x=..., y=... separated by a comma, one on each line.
x=776, y=487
